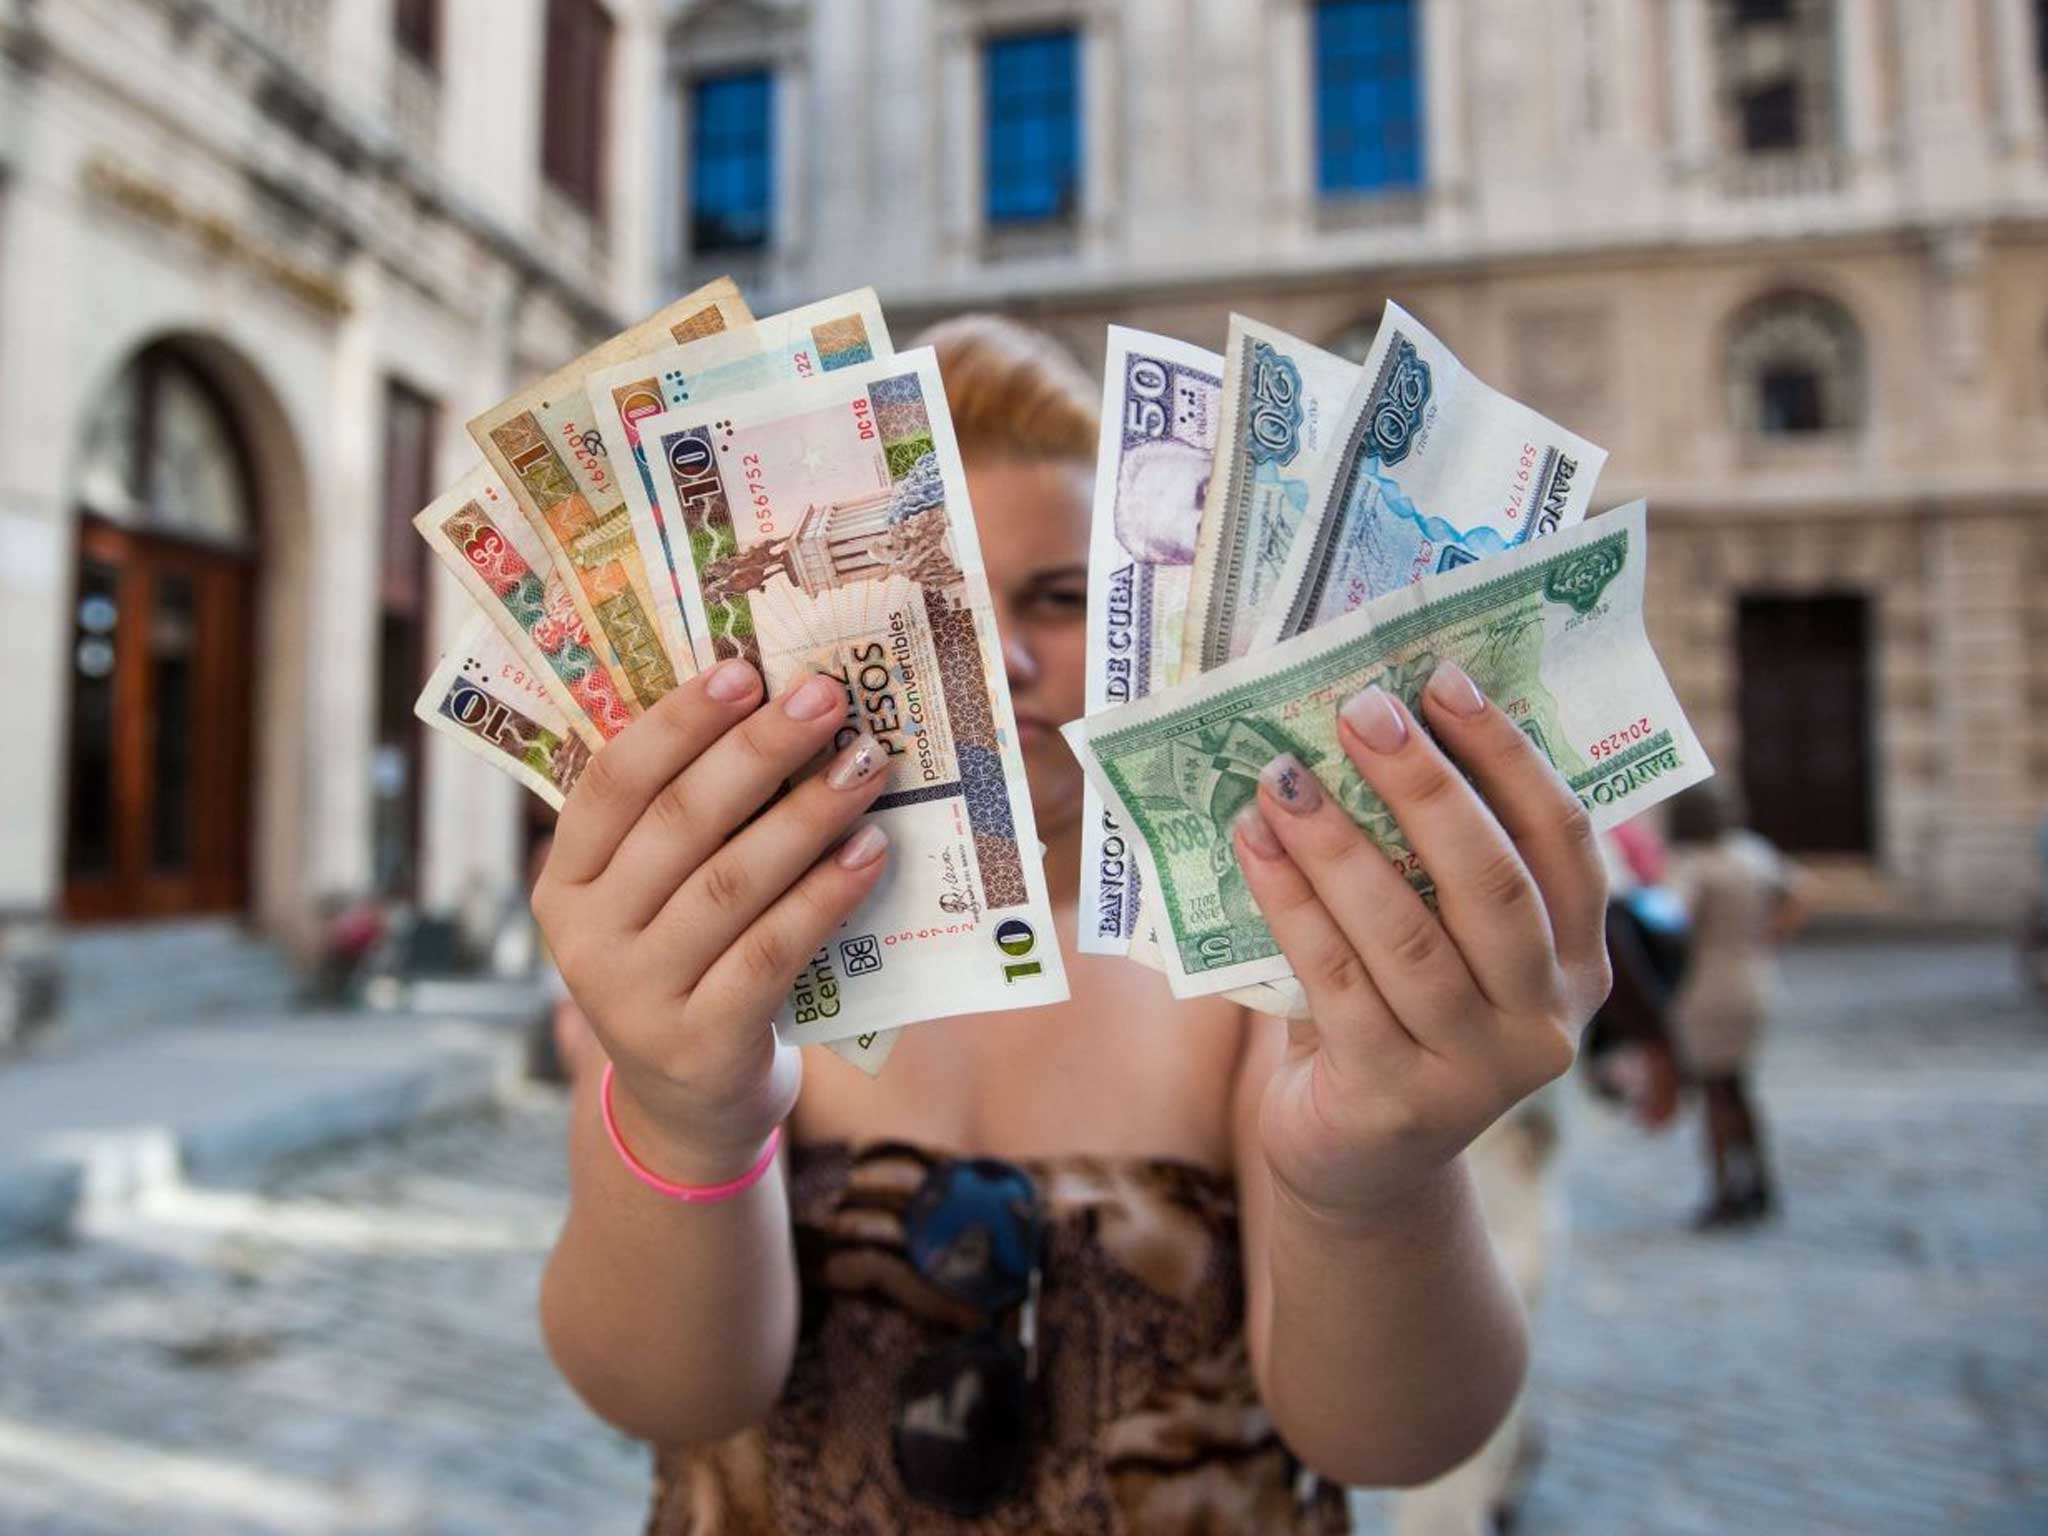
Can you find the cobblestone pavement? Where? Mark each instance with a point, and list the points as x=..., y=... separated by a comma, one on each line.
x=352, y=1349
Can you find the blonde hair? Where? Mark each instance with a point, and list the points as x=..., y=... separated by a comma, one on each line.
x=1014, y=392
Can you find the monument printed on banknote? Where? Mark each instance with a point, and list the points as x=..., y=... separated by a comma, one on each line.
x=483, y=696
x=1552, y=633
x=788, y=348
x=826, y=528
x=1161, y=410
x=545, y=445
x=1281, y=398
x=1429, y=469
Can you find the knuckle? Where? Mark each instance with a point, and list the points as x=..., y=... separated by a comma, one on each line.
x=1340, y=967
x=1502, y=881
x=1433, y=786
x=765, y=956
x=751, y=741
x=1415, y=940
x=601, y=784
x=726, y=883
x=1575, y=829
x=669, y=810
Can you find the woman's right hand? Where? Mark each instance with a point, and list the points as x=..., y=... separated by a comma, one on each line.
x=680, y=925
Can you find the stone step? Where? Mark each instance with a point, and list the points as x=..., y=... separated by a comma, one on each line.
x=117, y=977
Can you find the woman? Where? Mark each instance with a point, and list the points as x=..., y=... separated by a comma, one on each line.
x=1221, y=1251
x=1742, y=900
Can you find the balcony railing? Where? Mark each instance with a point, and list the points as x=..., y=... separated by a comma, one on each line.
x=1784, y=176
x=297, y=29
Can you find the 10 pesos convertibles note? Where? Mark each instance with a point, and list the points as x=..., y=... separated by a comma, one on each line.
x=827, y=529
x=1552, y=633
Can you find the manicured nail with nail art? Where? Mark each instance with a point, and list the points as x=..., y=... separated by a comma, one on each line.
x=817, y=695
x=1371, y=713
x=1257, y=833
x=1454, y=690
x=1291, y=784
x=730, y=681
x=863, y=848
x=858, y=761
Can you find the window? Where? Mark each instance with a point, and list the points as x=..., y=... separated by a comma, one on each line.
x=2041, y=35
x=732, y=161
x=1034, y=129
x=1775, y=61
x=579, y=43
x=1796, y=368
x=401, y=640
x=416, y=27
x=1368, y=96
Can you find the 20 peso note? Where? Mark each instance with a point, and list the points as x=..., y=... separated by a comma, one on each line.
x=1428, y=469
x=827, y=528
x=786, y=348
x=1160, y=410
x=547, y=450
x=1281, y=400
x=480, y=536
x=1552, y=632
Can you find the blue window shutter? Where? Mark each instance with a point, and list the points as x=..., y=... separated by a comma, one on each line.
x=1368, y=85
x=732, y=161
x=1032, y=127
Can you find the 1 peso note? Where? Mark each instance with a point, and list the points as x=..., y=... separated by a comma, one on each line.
x=1429, y=469
x=1159, y=419
x=547, y=450
x=482, y=539
x=1552, y=633
x=795, y=345
x=1281, y=398
x=827, y=529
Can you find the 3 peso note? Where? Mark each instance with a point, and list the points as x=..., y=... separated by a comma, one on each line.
x=828, y=529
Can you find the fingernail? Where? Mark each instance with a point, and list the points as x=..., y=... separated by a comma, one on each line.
x=1451, y=687
x=1291, y=784
x=1371, y=713
x=857, y=762
x=863, y=848
x=818, y=695
x=1257, y=833
x=730, y=681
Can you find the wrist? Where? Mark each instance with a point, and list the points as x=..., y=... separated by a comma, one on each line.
x=1407, y=1208
x=679, y=1154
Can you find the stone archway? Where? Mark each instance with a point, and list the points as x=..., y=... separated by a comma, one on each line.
x=183, y=729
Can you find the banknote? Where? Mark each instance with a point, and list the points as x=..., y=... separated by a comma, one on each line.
x=549, y=453
x=1553, y=632
x=476, y=531
x=1428, y=469
x=1159, y=415
x=1281, y=398
x=826, y=528
x=797, y=344
x=483, y=694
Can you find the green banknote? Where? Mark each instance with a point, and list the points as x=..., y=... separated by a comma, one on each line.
x=1552, y=632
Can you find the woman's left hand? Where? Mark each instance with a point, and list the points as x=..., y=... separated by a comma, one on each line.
x=1425, y=1026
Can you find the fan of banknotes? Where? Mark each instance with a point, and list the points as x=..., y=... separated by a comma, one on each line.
x=1273, y=529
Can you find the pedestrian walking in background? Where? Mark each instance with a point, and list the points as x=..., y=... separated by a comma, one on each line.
x=1742, y=899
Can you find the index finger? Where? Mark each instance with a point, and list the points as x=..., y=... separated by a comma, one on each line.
x=638, y=763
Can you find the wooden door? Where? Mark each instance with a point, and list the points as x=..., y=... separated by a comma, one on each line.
x=159, y=785
x=1806, y=721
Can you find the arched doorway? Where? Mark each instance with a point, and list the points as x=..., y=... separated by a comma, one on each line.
x=161, y=664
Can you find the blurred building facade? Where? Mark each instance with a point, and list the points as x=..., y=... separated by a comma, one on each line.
x=1787, y=259
x=259, y=262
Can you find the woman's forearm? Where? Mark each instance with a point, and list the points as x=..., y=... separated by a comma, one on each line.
x=1393, y=1352
x=675, y=1322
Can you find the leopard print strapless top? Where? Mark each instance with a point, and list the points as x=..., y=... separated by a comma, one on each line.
x=1151, y=1420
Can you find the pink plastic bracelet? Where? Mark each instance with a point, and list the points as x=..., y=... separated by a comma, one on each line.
x=694, y=1194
